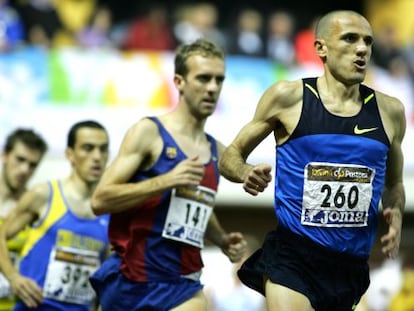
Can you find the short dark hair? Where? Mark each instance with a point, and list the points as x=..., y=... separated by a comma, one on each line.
x=201, y=47
x=26, y=136
x=77, y=126
x=324, y=23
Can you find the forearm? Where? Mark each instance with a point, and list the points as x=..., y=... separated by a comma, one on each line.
x=215, y=233
x=232, y=244
x=6, y=265
x=122, y=197
x=233, y=166
x=393, y=200
x=394, y=197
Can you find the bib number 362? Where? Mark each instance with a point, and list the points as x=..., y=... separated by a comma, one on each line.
x=67, y=277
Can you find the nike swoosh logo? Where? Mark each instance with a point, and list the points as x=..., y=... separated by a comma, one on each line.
x=359, y=131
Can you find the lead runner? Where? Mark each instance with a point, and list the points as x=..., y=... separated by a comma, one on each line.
x=338, y=151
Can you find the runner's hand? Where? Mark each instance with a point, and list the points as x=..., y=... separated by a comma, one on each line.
x=27, y=290
x=391, y=240
x=257, y=179
x=189, y=172
x=235, y=246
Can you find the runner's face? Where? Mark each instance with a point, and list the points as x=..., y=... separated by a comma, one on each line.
x=201, y=87
x=90, y=154
x=349, y=48
x=19, y=165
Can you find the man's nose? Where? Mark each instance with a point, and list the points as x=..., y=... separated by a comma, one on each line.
x=26, y=168
x=362, y=47
x=213, y=85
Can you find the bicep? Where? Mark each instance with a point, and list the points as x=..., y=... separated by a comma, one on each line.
x=278, y=101
x=16, y=222
x=251, y=135
x=255, y=131
x=134, y=149
x=121, y=169
x=27, y=210
x=395, y=161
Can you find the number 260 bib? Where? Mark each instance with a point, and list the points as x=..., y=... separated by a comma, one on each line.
x=336, y=195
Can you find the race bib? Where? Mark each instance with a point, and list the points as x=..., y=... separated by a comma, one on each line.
x=336, y=195
x=188, y=215
x=68, y=273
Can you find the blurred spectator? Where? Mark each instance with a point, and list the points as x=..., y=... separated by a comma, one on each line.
x=246, y=36
x=404, y=299
x=151, y=31
x=386, y=52
x=386, y=281
x=41, y=22
x=279, y=42
x=304, y=49
x=229, y=294
x=408, y=54
x=11, y=27
x=198, y=20
x=75, y=16
x=97, y=33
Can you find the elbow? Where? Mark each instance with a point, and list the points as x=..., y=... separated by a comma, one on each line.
x=97, y=205
x=223, y=160
x=222, y=167
x=221, y=164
